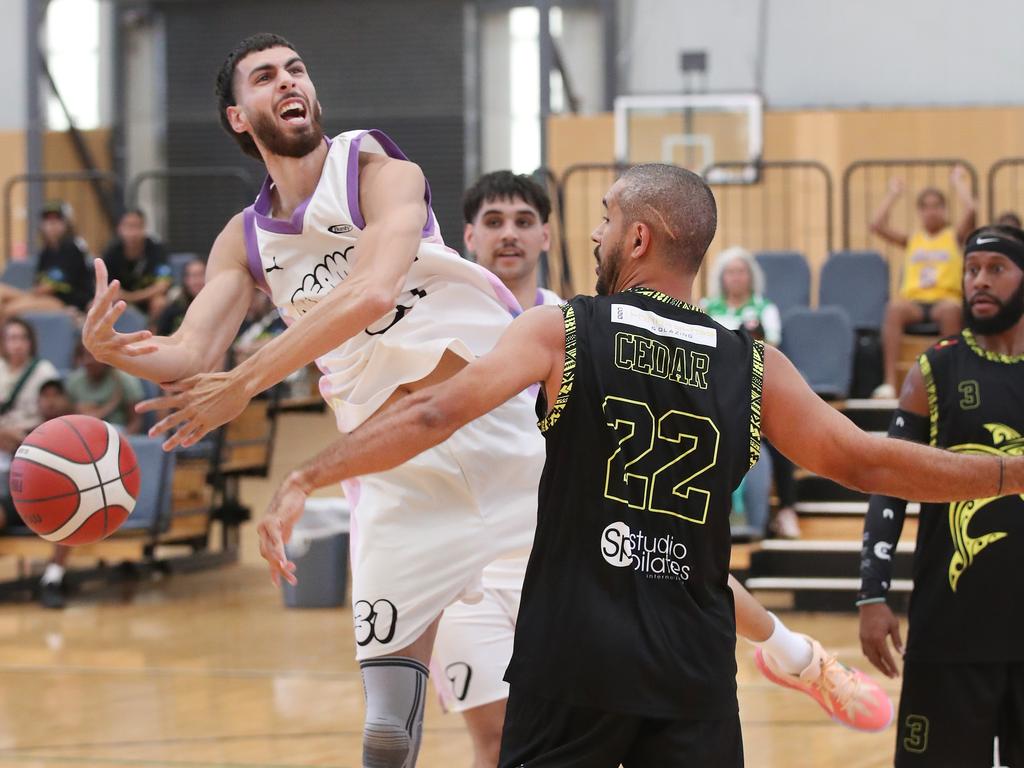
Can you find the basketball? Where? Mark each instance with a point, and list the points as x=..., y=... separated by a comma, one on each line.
x=74, y=480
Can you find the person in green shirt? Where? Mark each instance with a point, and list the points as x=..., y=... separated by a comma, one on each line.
x=736, y=300
x=96, y=389
x=736, y=296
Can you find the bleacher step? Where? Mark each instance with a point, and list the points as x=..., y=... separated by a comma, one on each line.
x=858, y=508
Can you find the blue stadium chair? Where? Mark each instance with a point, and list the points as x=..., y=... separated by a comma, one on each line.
x=820, y=344
x=178, y=262
x=19, y=274
x=857, y=281
x=787, y=279
x=152, y=511
x=57, y=337
x=131, y=321
x=150, y=389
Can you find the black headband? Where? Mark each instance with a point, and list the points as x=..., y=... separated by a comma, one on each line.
x=995, y=243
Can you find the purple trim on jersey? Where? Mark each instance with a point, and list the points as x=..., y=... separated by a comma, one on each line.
x=352, y=179
x=252, y=250
x=501, y=290
x=539, y=300
x=290, y=226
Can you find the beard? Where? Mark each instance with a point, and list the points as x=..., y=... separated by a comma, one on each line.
x=277, y=141
x=608, y=268
x=1009, y=314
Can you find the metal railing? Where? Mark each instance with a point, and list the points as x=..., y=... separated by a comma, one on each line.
x=866, y=182
x=788, y=207
x=582, y=187
x=1005, y=186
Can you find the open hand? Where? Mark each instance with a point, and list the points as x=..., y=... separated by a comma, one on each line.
x=275, y=529
x=877, y=624
x=896, y=187
x=98, y=334
x=197, y=405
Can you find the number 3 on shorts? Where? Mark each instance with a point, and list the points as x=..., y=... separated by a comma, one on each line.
x=915, y=733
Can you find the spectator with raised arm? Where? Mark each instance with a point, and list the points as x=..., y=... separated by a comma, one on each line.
x=930, y=288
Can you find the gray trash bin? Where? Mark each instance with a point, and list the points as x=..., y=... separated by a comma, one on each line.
x=319, y=549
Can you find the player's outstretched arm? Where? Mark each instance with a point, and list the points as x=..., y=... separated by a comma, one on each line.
x=205, y=334
x=531, y=350
x=393, y=207
x=816, y=436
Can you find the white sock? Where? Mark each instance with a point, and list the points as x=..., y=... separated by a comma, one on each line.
x=53, y=574
x=789, y=650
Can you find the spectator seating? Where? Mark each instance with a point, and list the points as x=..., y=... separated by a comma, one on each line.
x=19, y=274
x=178, y=262
x=857, y=281
x=57, y=337
x=820, y=344
x=131, y=321
x=787, y=279
x=152, y=511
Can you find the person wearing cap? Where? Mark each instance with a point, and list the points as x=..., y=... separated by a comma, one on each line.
x=139, y=263
x=63, y=278
x=963, y=666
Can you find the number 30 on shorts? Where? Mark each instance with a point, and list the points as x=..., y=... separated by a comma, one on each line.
x=374, y=621
x=633, y=477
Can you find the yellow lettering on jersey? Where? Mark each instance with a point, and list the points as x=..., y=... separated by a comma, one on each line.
x=654, y=358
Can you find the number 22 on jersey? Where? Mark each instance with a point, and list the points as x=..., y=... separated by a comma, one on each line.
x=658, y=459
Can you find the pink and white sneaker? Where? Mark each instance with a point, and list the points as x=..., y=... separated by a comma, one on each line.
x=847, y=695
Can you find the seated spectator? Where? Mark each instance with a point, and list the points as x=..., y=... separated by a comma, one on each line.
x=1008, y=219
x=22, y=375
x=63, y=278
x=141, y=266
x=93, y=389
x=736, y=301
x=261, y=324
x=53, y=403
x=930, y=289
x=192, y=281
x=96, y=389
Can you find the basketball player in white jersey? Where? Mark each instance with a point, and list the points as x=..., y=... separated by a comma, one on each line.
x=506, y=230
x=329, y=211
x=343, y=240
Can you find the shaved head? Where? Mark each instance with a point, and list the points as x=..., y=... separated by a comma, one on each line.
x=676, y=204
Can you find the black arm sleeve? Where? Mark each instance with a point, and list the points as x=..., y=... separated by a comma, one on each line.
x=884, y=520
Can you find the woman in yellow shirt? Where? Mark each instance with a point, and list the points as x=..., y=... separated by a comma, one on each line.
x=930, y=290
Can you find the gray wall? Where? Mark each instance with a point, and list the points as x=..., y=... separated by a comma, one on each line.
x=13, y=87
x=391, y=64
x=826, y=53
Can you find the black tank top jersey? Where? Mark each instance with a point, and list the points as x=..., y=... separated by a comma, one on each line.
x=968, y=598
x=626, y=605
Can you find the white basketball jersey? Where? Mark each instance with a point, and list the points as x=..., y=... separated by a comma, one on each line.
x=446, y=302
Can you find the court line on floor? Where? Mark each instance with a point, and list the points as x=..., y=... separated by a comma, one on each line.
x=178, y=672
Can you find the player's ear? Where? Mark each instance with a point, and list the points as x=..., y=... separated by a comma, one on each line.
x=468, y=239
x=547, y=237
x=236, y=119
x=641, y=235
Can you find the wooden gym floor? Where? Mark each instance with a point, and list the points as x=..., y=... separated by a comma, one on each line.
x=209, y=669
